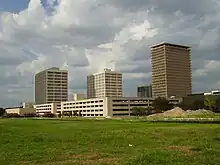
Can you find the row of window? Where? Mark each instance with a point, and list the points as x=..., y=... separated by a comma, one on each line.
x=83, y=106
x=136, y=101
x=42, y=106
x=44, y=109
x=121, y=114
x=87, y=102
x=125, y=105
x=94, y=110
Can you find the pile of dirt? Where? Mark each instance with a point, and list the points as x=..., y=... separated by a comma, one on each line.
x=174, y=112
x=199, y=112
x=177, y=111
x=170, y=113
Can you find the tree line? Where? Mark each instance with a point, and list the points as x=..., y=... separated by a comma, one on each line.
x=161, y=104
x=208, y=103
x=2, y=111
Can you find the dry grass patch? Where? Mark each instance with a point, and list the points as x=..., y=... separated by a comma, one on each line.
x=187, y=150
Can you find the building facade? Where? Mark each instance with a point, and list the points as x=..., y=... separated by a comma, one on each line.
x=51, y=86
x=20, y=111
x=144, y=91
x=108, y=106
x=171, y=70
x=48, y=108
x=104, y=84
x=78, y=96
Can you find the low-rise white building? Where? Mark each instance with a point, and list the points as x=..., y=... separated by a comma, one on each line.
x=48, y=108
x=78, y=96
x=19, y=110
x=99, y=107
x=108, y=106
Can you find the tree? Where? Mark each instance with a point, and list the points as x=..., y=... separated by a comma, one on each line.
x=75, y=113
x=2, y=111
x=217, y=104
x=193, y=105
x=139, y=111
x=161, y=104
x=199, y=104
x=209, y=103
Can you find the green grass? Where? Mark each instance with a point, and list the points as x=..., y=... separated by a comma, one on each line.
x=99, y=142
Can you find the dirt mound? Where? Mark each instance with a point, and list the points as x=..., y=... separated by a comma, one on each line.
x=170, y=113
x=180, y=112
x=174, y=112
x=199, y=112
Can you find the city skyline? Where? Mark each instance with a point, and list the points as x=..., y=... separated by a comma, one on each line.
x=117, y=34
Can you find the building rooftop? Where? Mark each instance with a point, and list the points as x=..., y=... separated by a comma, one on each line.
x=144, y=85
x=52, y=69
x=106, y=70
x=170, y=44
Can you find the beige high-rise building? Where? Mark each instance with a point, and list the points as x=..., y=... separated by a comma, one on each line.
x=171, y=70
x=51, y=86
x=104, y=84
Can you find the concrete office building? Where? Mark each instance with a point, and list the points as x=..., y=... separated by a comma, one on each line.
x=51, y=86
x=99, y=107
x=48, y=108
x=28, y=104
x=108, y=106
x=144, y=91
x=20, y=111
x=104, y=84
x=78, y=96
x=171, y=70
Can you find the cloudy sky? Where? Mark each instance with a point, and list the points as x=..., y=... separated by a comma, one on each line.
x=84, y=36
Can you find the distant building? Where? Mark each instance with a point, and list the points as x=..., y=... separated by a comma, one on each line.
x=51, y=86
x=144, y=91
x=28, y=105
x=79, y=96
x=19, y=110
x=171, y=70
x=192, y=98
x=104, y=84
x=216, y=92
x=48, y=108
x=108, y=106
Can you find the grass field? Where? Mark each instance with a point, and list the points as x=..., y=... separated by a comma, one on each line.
x=37, y=142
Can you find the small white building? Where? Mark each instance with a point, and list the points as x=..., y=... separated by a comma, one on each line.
x=48, y=108
x=20, y=111
x=79, y=96
x=99, y=107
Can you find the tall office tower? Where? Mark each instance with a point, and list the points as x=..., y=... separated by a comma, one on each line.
x=51, y=86
x=144, y=91
x=105, y=84
x=171, y=70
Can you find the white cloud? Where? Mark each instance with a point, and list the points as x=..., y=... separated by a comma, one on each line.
x=84, y=36
x=209, y=67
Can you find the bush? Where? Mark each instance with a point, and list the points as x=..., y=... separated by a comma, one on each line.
x=2, y=111
x=30, y=115
x=48, y=115
x=161, y=104
x=12, y=115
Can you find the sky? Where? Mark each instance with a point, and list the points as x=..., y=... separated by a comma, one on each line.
x=84, y=36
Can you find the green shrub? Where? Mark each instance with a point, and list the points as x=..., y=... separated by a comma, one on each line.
x=12, y=115
x=30, y=115
x=48, y=115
